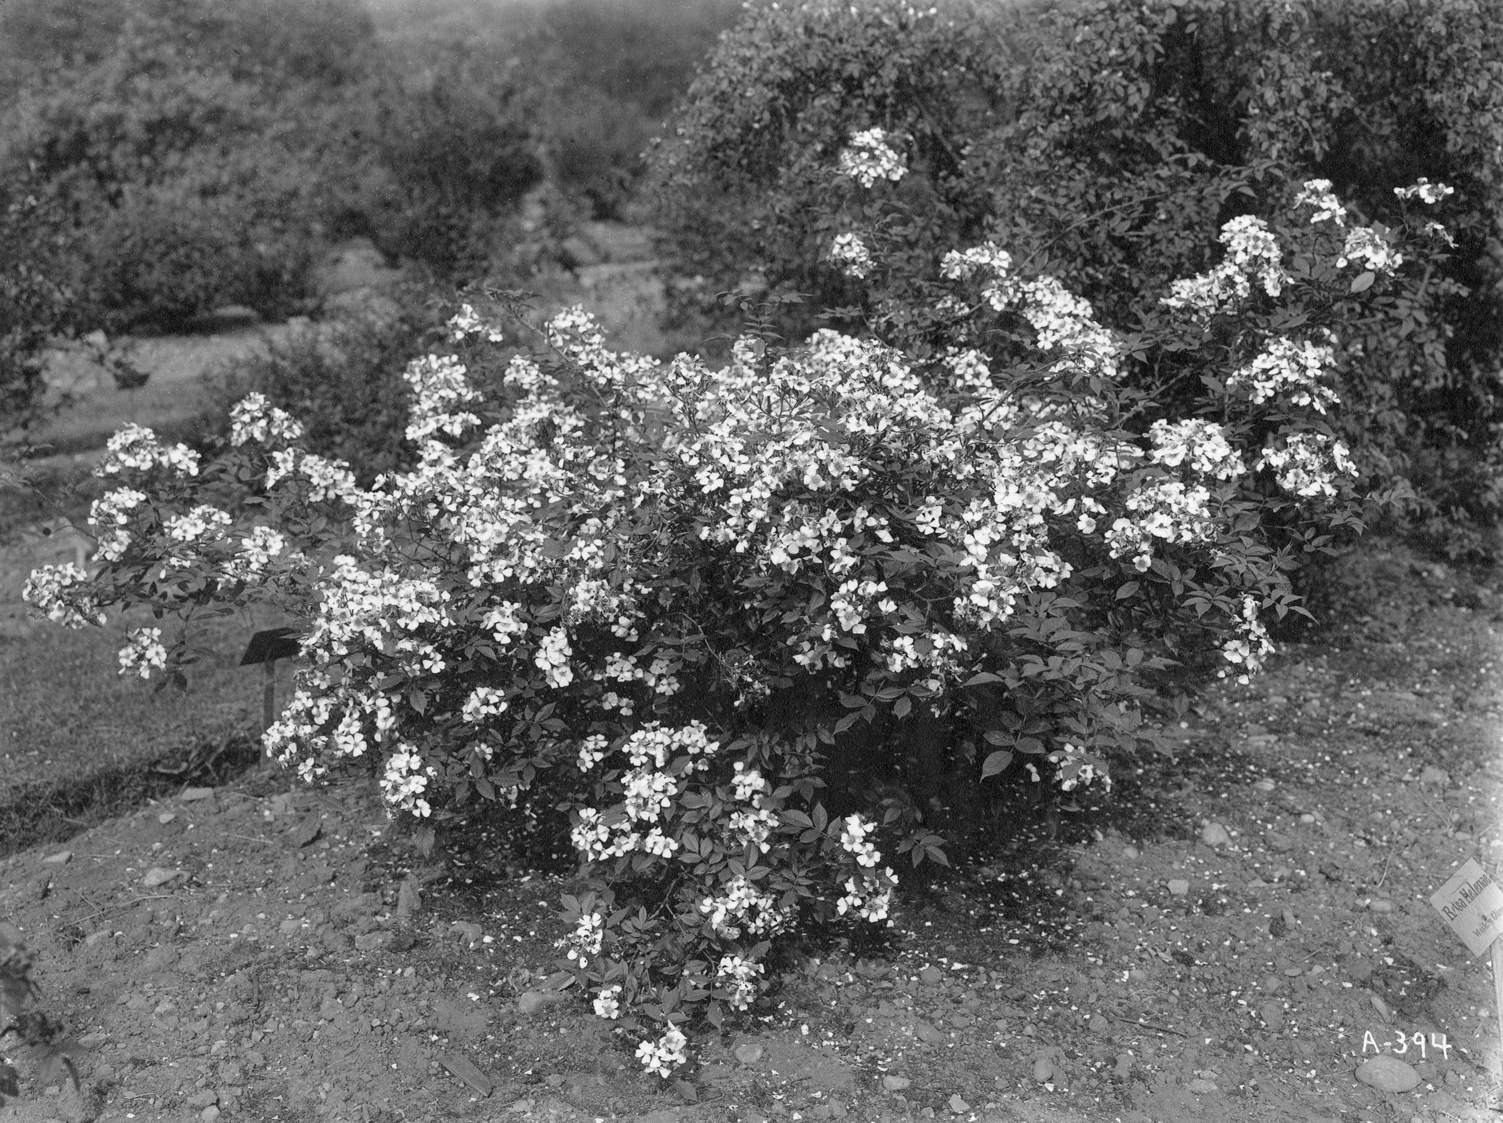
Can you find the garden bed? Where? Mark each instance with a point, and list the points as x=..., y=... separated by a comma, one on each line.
x=1124, y=961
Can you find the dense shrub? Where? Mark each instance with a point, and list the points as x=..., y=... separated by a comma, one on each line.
x=759, y=626
x=641, y=51
x=1127, y=133
x=571, y=91
x=596, y=145
x=460, y=150
x=1371, y=97
x=324, y=42
x=269, y=125
x=183, y=170
x=160, y=259
x=34, y=306
x=739, y=182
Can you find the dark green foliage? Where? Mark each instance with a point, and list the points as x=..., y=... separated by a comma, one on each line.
x=596, y=145
x=1104, y=143
x=201, y=152
x=740, y=180
x=189, y=165
x=457, y=153
x=575, y=91
x=161, y=259
x=325, y=42
x=1139, y=124
x=33, y=305
x=617, y=70
x=642, y=51
x=42, y=1038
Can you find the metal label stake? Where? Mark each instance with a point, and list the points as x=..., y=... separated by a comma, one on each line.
x=266, y=648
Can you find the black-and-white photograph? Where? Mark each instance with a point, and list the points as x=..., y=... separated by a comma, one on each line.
x=731, y=561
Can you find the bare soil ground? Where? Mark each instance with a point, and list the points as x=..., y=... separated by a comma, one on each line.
x=283, y=955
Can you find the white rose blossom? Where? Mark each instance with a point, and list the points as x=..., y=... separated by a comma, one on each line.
x=1308, y=465
x=848, y=253
x=254, y=419
x=144, y=652
x=869, y=157
x=662, y=1056
x=1425, y=191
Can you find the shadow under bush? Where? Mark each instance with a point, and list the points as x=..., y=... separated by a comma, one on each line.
x=37, y=813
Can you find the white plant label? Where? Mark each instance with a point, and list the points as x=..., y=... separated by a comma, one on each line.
x=1472, y=904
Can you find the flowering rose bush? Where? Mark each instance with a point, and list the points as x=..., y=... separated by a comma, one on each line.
x=743, y=621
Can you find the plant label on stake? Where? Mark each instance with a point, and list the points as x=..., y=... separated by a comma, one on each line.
x=266, y=648
x=1472, y=904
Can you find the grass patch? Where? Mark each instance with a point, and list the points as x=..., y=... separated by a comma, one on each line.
x=68, y=710
x=81, y=744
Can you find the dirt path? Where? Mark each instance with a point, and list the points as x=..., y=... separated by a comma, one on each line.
x=249, y=952
x=351, y=279
x=613, y=275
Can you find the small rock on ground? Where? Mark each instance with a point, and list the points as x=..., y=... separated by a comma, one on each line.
x=468, y=931
x=530, y=1002
x=467, y=1072
x=409, y=898
x=1436, y=777
x=1214, y=834
x=1387, y=1074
